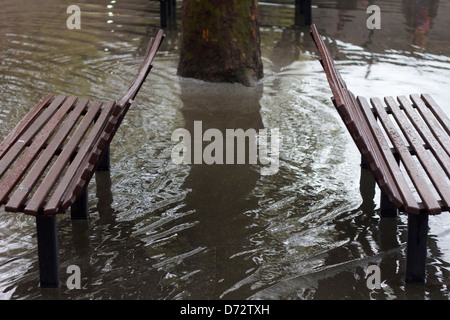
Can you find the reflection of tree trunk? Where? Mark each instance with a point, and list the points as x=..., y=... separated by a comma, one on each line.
x=221, y=41
x=221, y=195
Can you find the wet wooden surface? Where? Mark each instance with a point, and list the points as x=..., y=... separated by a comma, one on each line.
x=405, y=141
x=48, y=159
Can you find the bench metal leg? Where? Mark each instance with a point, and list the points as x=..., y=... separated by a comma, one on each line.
x=416, y=249
x=164, y=12
x=48, y=251
x=364, y=164
x=307, y=12
x=80, y=209
x=303, y=7
x=387, y=209
x=105, y=161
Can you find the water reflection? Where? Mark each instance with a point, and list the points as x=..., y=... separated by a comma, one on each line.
x=220, y=196
x=164, y=231
x=419, y=15
x=113, y=263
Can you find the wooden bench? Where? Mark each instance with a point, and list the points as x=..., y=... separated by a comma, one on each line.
x=406, y=145
x=49, y=158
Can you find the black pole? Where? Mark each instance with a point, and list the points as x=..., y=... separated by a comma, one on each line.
x=307, y=12
x=303, y=7
x=416, y=248
x=48, y=251
x=164, y=12
x=169, y=7
x=80, y=209
x=387, y=208
x=173, y=11
x=105, y=161
x=298, y=12
x=364, y=164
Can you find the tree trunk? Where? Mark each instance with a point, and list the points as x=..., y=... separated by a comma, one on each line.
x=220, y=41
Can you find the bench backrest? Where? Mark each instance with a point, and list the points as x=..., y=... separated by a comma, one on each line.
x=343, y=99
x=144, y=70
x=115, y=119
x=124, y=103
x=357, y=118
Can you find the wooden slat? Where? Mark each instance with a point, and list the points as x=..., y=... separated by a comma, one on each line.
x=143, y=71
x=23, y=124
x=432, y=171
x=402, y=188
x=441, y=133
x=414, y=173
x=370, y=139
x=369, y=145
x=34, y=174
x=52, y=207
x=328, y=66
x=106, y=137
x=345, y=104
x=424, y=131
x=352, y=116
x=437, y=111
x=38, y=142
x=25, y=138
x=13, y=176
x=83, y=176
x=37, y=200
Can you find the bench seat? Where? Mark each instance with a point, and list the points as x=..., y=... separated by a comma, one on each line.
x=49, y=157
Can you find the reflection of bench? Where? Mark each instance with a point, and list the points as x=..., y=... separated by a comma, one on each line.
x=48, y=159
x=406, y=145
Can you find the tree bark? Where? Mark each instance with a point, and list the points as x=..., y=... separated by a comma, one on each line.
x=220, y=41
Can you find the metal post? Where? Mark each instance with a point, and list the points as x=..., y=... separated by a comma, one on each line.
x=307, y=12
x=105, y=161
x=169, y=7
x=298, y=6
x=364, y=164
x=80, y=208
x=367, y=190
x=416, y=248
x=164, y=12
x=173, y=10
x=298, y=11
x=48, y=251
x=80, y=236
x=387, y=208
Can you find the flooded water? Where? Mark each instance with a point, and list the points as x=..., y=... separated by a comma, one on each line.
x=160, y=230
